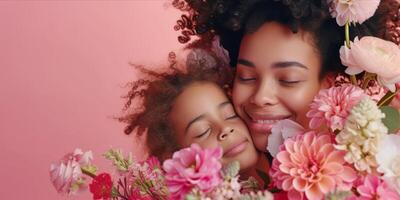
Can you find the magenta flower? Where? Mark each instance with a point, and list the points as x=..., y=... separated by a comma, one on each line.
x=66, y=175
x=352, y=11
x=309, y=165
x=374, y=188
x=193, y=167
x=373, y=55
x=332, y=106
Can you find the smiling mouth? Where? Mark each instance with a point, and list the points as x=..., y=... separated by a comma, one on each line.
x=236, y=149
x=263, y=123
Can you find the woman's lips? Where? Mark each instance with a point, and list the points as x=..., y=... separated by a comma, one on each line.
x=258, y=123
x=236, y=149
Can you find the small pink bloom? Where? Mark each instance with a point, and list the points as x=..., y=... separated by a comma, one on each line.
x=193, y=167
x=310, y=166
x=354, y=11
x=332, y=106
x=374, y=188
x=66, y=175
x=281, y=131
x=373, y=55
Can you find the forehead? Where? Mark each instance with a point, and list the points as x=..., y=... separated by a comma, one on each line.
x=197, y=97
x=275, y=42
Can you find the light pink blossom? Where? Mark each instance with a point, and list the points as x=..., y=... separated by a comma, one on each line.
x=332, y=106
x=373, y=55
x=193, y=167
x=353, y=11
x=66, y=175
x=309, y=166
x=374, y=188
x=281, y=131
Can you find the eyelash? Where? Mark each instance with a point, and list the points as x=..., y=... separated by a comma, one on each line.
x=231, y=117
x=202, y=134
x=289, y=83
x=246, y=79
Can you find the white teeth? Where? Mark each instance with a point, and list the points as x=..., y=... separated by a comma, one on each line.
x=266, y=121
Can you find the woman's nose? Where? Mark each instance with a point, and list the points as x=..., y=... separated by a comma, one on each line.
x=265, y=94
x=225, y=133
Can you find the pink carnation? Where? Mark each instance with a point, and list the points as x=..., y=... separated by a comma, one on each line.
x=66, y=175
x=374, y=188
x=373, y=55
x=310, y=165
x=193, y=167
x=354, y=11
x=332, y=106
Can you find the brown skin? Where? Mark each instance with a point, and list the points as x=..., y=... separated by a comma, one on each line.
x=203, y=114
x=277, y=77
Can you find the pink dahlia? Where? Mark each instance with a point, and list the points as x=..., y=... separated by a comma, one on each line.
x=373, y=55
x=193, y=167
x=354, y=11
x=310, y=165
x=66, y=175
x=374, y=188
x=332, y=106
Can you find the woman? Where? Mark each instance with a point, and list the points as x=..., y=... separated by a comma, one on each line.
x=283, y=54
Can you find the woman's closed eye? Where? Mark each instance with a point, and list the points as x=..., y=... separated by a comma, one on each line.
x=246, y=79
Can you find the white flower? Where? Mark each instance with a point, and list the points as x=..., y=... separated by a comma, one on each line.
x=388, y=159
x=361, y=135
x=281, y=131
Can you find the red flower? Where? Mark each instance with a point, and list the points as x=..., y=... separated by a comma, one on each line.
x=101, y=186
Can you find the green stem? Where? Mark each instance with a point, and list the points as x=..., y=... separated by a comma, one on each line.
x=388, y=97
x=366, y=79
x=347, y=36
x=85, y=171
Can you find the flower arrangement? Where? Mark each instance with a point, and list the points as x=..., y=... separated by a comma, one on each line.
x=192, y=173
x=351, y=149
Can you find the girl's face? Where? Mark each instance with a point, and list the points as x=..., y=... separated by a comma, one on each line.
x=203, y=114
x=277, y=76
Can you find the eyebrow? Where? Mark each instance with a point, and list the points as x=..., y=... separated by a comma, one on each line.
x=200, y=117
x=248, y=63
x=194, y=120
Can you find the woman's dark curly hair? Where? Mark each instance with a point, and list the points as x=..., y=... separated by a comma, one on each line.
x=156, y=92
x=232, y=19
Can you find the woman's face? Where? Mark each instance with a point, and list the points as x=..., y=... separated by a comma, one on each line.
x=203, y=114
x=276, y=78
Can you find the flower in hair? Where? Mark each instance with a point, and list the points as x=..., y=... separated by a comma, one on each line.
x=352, y=11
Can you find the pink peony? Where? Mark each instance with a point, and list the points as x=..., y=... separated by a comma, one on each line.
x=374, y=188
x=193, y=167
x=66, y=175
x=332, y=106
x=310, y=165
x=373, y=55
x=354, y=11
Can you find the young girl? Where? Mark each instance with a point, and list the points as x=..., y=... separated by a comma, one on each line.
x=282, y=51
x=179, y=109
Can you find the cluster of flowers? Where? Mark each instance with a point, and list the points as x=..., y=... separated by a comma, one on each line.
x=351, y=149
x=132, y=180
x=192, y=173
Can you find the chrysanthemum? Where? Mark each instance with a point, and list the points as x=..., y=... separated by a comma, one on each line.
x=332, y=106
x=361, y=134
x=310, y=165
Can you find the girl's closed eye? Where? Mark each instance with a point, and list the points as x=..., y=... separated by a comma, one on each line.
x=202, y=134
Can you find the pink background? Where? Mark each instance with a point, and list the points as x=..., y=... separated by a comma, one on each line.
x=62, y=67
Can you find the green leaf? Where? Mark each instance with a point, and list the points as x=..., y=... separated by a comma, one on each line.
x=231, y=170
x=264, y=176
x=392, y=119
